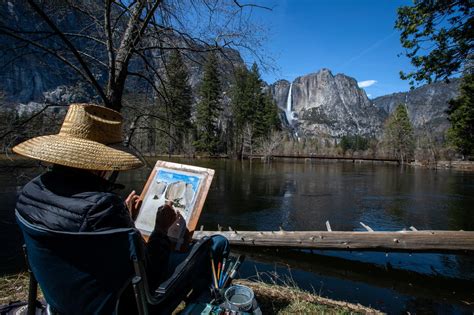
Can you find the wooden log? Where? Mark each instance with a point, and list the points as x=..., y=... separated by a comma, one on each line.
x=408, y=241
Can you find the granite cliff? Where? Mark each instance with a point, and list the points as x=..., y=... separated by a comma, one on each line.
x=320, y=104
x=323, y=104
x=426, y=105
x=330, y=105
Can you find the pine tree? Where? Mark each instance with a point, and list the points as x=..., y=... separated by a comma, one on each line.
x=179, y=99
x=354, y=143
x=253, y=111
x=209, y=108
x=255, y=85
x=242, y=107
x=437, y=36
x=262, y=110
x=398, y=135
x=240, y=98
x=271, y=119
x=461, y=116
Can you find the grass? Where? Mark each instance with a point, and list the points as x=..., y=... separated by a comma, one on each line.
x=272, y=298
x=14, y=288
x=289, y=299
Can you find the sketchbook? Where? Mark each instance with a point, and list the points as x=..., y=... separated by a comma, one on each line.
x=186, y=186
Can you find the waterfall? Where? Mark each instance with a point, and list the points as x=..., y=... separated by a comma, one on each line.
x=288, y=112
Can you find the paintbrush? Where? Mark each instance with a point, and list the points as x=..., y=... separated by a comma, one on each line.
x=214, y=272
x=226, y=275
x=221, y=276
x=218, y=272
x=234, y=270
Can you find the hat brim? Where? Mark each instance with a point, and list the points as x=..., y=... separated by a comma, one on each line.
x=78, y=153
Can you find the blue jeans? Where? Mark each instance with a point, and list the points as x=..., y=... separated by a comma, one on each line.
x=201, y=275
x=219, y=249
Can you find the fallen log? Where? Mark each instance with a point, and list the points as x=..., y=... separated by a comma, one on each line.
x=406, y=241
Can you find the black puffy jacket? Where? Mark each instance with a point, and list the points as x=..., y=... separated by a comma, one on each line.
x=74, y=200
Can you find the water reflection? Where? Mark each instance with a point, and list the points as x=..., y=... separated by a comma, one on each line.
x=302, y=196
x=381, y=286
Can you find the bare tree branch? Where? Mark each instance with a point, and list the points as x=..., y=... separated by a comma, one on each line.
x=49, y=51
x=72, y=48
x=22, y=123
x=252, y=5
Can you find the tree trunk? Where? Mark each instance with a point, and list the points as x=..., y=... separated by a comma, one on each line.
x=114, y=97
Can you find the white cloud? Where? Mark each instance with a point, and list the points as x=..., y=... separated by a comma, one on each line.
x=367, y=83
x=369, y=95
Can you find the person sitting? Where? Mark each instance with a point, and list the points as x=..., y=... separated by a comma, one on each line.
x=75, y=195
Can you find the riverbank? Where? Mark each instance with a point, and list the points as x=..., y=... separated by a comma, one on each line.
x=442, y=164
x=13, y=160
x=273, y=299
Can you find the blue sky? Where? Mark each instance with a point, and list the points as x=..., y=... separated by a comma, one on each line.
x=354, y=37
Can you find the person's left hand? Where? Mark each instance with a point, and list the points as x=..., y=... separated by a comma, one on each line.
x=133, y=203
x=165, y=217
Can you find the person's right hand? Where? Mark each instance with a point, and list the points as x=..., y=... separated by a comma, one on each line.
x=133, y=203
x=165, y=217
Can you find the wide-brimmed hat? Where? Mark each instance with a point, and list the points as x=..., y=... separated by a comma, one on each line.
x=90, y=138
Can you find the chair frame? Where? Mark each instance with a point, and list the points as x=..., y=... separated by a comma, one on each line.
x=143, y=297
x=32, y=287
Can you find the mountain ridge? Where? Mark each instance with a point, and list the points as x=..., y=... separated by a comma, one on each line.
x=334, y=105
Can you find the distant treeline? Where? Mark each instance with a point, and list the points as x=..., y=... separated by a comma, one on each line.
x=234, y=122
x=245, y=121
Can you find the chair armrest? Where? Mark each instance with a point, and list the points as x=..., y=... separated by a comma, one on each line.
x=183, y=268
x=139, y=295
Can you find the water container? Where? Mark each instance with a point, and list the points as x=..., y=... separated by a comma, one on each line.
x=240, y=297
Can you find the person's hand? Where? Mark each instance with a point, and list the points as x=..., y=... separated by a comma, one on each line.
x=133, y=203
x=165, y=217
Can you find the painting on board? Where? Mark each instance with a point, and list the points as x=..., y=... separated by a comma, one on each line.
x=183, y=186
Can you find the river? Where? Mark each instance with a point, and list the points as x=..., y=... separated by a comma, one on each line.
x=298, y=195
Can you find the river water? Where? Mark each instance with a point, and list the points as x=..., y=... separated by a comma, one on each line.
x=299, y=195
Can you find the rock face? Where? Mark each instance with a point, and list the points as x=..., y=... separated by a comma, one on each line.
x=25, y=76
x=31, y=79
x=36, y=80
x=328, y=105
x=322, y=104
x=28, y=76
x=333, y=105
x=280, y=90
x=426, y=105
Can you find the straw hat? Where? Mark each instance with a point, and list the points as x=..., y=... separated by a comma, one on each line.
x=90, y=138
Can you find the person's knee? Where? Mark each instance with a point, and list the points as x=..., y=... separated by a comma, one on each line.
x=220, y=245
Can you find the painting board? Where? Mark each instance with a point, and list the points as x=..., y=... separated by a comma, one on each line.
x=184, y=185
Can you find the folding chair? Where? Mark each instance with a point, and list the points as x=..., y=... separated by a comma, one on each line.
x=86, y=273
